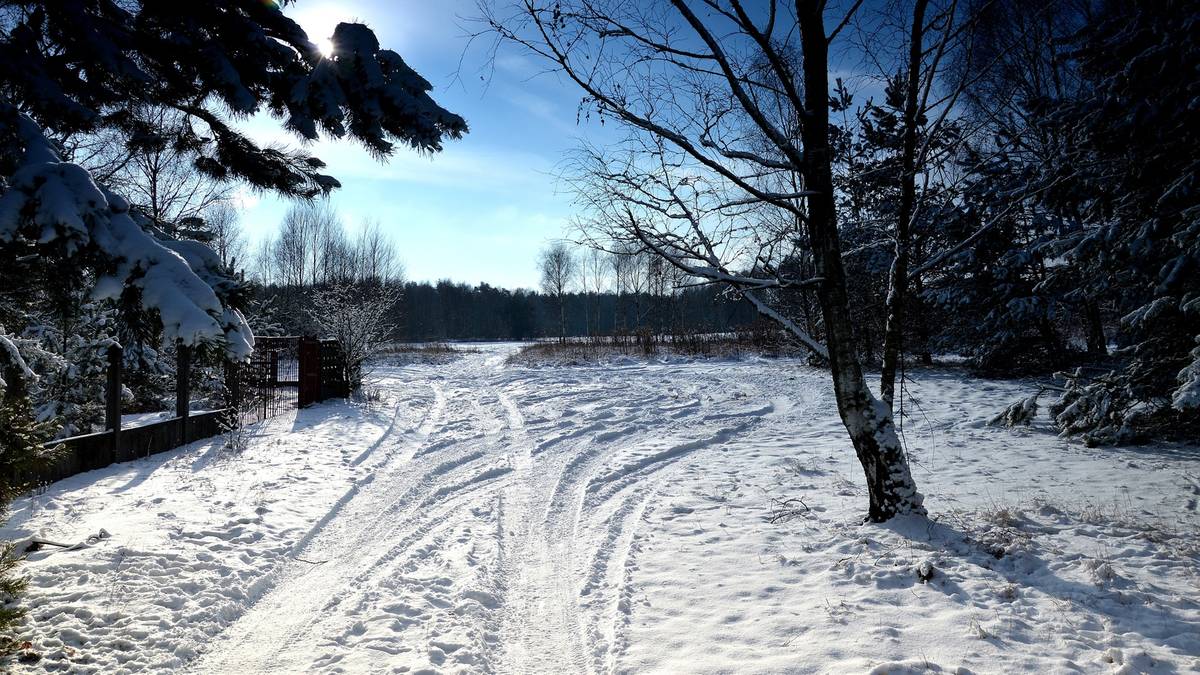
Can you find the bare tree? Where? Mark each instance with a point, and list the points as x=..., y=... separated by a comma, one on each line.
x=637, y=279
x=583, y=281
x=378, y=259
x=935, y=30
x=618, y=264
x=357, y=317
x=593, y=279
x=687, y=85
x=308, y=248
x=557, y=265
x=312, y=248
x=221, y=222
x=158, y=177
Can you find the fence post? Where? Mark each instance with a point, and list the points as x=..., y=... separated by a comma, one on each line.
x=309, y=387
x=112, y=402
x=183, y=385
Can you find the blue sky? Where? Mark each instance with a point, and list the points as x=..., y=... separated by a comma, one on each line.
x=481, y=209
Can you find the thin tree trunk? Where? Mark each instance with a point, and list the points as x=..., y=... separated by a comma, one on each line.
x=893, y=336
x=562, y=317
x=869, y=422
x=1096, y=344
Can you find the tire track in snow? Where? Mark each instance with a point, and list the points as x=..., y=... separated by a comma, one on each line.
x=540, y=623
x=387, y=434
x=563, y=610
x=429, y=422
x=419, y=524
x=607, y=591
x=264, y=639
x=601, y=487
x=490, y=539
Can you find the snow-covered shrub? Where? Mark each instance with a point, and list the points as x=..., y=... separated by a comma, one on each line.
x=11, y=587
x=148, y=376
x=265, y=316
x=73, y=394
x=1020, y=413
x=1150, y=395
x=21, y=450
x=356, y=317
x=22, y=443
x=1187, y=395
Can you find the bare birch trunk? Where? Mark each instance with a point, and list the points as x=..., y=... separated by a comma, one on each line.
x=890, y=485
x=893, y=337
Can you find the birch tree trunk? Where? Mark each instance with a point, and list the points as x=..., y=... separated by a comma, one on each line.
x=868, y=421
x=893, y=336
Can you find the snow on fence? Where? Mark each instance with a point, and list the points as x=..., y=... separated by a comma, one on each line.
x=283, y=373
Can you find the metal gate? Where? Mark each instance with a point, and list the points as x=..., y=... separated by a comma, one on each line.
x=310, y=372
x=285, y=373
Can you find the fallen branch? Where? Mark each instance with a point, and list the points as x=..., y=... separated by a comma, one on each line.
x=783, y=510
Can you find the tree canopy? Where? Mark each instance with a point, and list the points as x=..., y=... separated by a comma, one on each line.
x=94, y=66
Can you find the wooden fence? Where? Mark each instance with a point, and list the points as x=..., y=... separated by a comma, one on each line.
x=255, y=390
x=96, y=451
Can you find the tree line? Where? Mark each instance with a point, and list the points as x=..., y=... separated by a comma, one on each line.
x=595, y=293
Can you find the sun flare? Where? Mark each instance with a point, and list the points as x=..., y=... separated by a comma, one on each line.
x=319, y=20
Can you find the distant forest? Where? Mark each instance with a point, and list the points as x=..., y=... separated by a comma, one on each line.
x=458, y=311
x=583, y=291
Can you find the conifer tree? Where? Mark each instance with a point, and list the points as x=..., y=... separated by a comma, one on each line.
x=71, y=69
x=1127, y=180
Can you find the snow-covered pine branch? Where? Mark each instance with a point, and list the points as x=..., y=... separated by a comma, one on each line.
x=12, y=364
x=56, y=205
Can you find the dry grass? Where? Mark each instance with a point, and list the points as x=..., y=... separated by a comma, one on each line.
x=399, y=354
x=592, y=350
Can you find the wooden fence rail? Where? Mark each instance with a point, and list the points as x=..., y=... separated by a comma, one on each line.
x=96, y=451
x=256, y=384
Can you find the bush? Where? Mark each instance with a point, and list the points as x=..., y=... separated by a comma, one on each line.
x=22, y=453
x=11, y=588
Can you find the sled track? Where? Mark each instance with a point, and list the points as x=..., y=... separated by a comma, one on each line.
x=498, y=533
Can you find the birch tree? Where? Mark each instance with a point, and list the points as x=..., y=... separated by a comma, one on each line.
x=685, y=79
x=558, y=267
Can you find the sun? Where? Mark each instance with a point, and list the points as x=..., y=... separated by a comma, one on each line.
x=326, y=46
x=319, y=19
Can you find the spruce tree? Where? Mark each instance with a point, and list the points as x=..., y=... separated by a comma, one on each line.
x=22, y=451
x=90, y=67
x=1128, y=179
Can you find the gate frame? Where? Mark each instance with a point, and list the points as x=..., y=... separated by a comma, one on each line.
x=309, y=353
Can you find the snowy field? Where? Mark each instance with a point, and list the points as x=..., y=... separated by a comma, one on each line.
x=628, y=518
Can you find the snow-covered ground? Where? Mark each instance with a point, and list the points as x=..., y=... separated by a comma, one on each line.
x=626, y=518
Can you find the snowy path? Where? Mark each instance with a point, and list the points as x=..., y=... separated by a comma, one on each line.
x=609, y=519
x=502, y=523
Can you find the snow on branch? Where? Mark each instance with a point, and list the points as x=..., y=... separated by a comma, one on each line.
x=56, y=203
x=11, y=362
